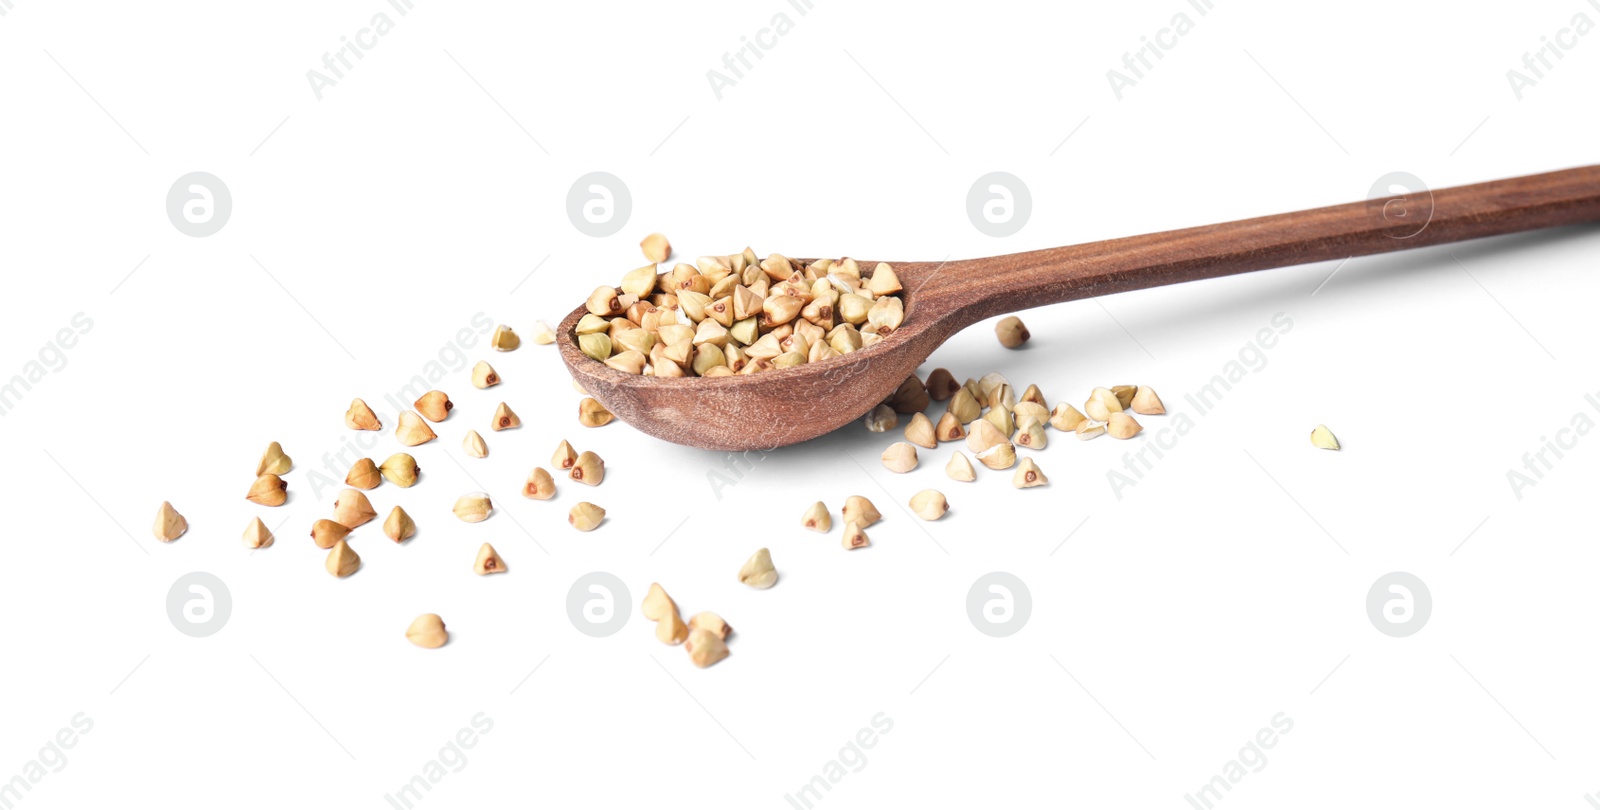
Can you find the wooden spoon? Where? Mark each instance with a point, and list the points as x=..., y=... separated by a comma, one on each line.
x=782, y=407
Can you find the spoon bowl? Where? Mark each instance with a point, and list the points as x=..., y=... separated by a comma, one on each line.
x=786, y=406
x=771, y=409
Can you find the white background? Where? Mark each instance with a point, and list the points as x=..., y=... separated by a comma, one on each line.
x=371, y=225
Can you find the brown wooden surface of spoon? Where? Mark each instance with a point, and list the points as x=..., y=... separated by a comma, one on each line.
x=782, y=407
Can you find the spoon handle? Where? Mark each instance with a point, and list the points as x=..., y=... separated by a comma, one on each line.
x=981, y=288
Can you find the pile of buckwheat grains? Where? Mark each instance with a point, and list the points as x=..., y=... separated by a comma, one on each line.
x=733, y=314
x=737, y=314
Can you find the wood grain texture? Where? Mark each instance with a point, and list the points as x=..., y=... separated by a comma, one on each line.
x=777, y=408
